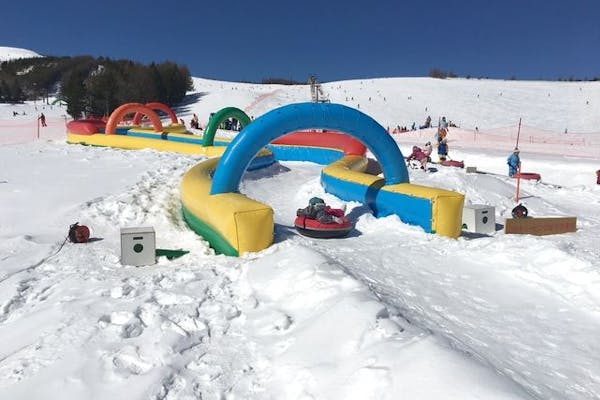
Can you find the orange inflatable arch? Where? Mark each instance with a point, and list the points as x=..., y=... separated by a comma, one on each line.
x=128, y=108
x=156, y=106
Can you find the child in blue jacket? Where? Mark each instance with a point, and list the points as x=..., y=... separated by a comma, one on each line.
x=513, y=162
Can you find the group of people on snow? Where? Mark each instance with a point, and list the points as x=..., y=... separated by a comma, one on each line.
x=443, y=123
x=231, y=124
x=423, y=155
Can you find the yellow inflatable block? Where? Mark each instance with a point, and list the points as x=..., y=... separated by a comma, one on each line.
x=351, y=168
x=136, y=143
x=245, y=224
x=446, y=206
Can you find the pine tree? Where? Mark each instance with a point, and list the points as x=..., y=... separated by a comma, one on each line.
x=74, y=93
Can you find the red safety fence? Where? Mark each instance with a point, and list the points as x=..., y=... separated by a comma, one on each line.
x=535, y=140
x=531, y=139
x=24, y=130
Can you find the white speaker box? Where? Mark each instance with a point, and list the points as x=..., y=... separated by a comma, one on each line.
x=479, y=218
x=138, y=246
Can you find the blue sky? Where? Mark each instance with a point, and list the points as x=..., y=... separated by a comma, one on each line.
x=335, y=40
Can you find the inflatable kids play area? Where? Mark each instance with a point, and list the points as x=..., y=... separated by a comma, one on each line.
x=173, y=137
x=235, y=224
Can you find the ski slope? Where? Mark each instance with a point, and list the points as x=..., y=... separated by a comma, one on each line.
x=389, y=312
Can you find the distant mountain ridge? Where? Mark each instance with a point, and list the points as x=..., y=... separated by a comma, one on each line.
x=13, y=53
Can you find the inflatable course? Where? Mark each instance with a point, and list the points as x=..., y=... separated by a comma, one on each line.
x=173, y=137
x=234, y=224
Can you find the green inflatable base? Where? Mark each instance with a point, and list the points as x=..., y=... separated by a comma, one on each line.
x=215, y=240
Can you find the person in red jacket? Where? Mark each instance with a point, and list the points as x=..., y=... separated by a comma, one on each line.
x=418, y=155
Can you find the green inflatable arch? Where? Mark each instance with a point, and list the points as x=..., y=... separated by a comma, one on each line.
x=227, y=112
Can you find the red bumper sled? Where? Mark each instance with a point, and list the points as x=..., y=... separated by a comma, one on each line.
x=313, y=228
x=453, y=163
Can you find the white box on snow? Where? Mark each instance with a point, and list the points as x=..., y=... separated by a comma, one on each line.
x=138, y=246
x=479, y=218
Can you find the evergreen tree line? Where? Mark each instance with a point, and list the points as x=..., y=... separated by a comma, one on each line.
x=92, y=86
x=280, y=81
x=441, y=74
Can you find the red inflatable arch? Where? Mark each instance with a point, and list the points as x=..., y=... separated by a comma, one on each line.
x=128, y=108
x=157, y=106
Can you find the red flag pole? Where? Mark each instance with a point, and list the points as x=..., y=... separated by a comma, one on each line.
x=519, y=166
x=518, y=182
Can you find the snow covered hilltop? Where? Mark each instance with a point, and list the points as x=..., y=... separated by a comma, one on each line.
x=13, y=53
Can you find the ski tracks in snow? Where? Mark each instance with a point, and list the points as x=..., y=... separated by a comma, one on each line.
x=524, y=328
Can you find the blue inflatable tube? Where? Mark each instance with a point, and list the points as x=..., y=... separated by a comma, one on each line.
x=280, y=121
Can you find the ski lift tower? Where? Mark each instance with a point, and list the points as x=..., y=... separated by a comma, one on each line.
x=316, y=91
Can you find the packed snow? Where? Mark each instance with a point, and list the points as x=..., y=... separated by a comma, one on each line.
x=389, y=312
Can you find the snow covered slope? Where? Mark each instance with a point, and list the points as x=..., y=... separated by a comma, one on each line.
x=389, y=312
x=12, y=53
x=469, y=103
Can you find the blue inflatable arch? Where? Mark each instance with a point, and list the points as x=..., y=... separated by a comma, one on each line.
x=294, y=117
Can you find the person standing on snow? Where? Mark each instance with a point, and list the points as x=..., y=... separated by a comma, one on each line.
x=513, y=162
x=443, y=123
x=427, y=150
x=43, y=119
x=195, y=122
x=442, y=144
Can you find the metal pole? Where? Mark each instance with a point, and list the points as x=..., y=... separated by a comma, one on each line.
x=518, y=134
x=38, y=128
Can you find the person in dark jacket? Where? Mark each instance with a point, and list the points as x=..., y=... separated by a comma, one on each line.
x=43, y=119
x=317, y=209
